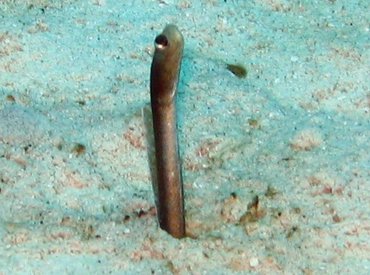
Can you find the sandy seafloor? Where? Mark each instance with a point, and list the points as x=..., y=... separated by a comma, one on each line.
x=75, y=187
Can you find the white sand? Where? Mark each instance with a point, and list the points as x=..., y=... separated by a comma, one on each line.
x=295, y=132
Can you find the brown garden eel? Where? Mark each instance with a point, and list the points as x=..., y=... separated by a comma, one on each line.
x=164, y=77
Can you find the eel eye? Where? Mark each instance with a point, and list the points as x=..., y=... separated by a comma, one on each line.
x=161, y=41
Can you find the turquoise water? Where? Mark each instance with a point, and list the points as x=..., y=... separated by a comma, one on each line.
x=75, y=187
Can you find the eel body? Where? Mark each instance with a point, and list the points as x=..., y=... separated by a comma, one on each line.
x=164, y=77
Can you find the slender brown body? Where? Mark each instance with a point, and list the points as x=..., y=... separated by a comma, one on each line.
x=163, y=84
